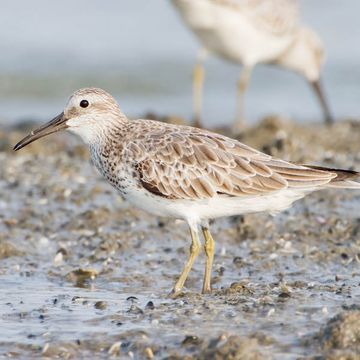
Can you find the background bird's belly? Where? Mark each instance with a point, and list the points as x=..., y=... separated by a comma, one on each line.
x=237, y=40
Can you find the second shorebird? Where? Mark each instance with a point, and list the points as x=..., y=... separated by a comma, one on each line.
x=250, y=32
x=184, y=172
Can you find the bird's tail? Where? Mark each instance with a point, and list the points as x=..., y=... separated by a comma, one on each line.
x=345, y=179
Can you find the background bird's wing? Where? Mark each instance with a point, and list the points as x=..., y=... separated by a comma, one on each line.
x=275, y=16
x=188, y=163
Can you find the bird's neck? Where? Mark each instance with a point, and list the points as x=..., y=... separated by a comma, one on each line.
x=109, y=144
x=100, y=132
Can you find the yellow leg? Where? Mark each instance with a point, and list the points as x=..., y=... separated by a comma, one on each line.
x=242, y=87
x=209, y=251
x=198, y=86
x=194, y=252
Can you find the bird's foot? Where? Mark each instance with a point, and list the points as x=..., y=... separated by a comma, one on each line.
x=175, y=294
x=206, y=290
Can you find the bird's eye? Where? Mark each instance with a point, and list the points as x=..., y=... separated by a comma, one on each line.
x=84, y=103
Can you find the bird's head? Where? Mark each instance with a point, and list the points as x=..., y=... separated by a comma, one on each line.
x=306, y=55
x=88, y=113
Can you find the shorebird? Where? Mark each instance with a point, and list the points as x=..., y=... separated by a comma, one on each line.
x=184, y=172
x=250, y=32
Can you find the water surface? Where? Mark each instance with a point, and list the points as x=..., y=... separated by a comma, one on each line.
x=141, y=52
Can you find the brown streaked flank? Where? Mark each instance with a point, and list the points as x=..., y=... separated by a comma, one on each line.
x=185, y=172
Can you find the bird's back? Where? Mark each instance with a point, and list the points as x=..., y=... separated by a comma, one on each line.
x=247, y=31
x=176, y=170
x=166, y=154
x=278, y=17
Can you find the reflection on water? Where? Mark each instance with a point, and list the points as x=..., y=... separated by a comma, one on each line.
x=142, y=53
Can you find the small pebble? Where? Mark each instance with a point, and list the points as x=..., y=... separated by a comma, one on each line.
x=43, y=241
x=150, y=306
x=149, y=353
x=284, y=295
x=58, y=259
x=45, y=348
x=132, y=299
x=115, y=348
x=67, y=192
x=220, y=270
x=102, y=305
x=191, y=340
x=135, y=310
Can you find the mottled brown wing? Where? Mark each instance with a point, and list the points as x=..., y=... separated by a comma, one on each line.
x=275, y=16
x=195, y=164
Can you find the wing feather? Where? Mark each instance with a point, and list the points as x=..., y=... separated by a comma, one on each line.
x=189, y=163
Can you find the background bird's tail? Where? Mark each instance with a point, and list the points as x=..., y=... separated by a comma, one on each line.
x=345, y=179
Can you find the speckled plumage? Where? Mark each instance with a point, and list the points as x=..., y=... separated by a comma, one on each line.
x=185, y=172
x=180, y=162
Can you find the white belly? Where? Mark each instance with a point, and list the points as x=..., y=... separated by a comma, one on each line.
x=194, y=211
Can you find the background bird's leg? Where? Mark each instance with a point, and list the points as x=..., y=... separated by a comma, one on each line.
x=316, y=85
x=209, y=251
x=194, y=252
x=198, y=86
x=243, y=85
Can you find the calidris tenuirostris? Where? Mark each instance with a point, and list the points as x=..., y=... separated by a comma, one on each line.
x=185, y=172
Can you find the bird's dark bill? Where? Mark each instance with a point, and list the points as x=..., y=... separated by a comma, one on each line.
x=316, y=85
x=56, y=124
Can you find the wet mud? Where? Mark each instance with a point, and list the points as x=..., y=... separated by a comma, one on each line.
x=84, y=274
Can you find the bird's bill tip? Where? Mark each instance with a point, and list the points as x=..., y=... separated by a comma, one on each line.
x=56, y=124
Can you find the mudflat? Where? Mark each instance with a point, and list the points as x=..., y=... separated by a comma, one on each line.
x=82, y=273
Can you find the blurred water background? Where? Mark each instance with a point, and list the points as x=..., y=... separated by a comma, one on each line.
x=141, y=52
